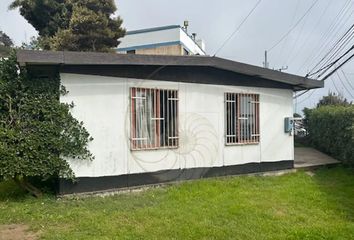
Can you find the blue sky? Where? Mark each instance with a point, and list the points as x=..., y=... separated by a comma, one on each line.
x=214, y=21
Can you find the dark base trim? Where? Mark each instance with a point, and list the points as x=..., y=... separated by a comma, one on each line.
x=94, y=184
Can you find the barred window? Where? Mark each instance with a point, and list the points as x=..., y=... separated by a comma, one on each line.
x=154, y=118
x=241, y=118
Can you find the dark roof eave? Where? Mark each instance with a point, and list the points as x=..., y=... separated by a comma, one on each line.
x=28, y=57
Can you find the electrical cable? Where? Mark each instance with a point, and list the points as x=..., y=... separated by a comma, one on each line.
x=340, y=65
x=309, y=34
x=294, y=26
x=335, y=86
x=292, y=22
x=303, y=100
x=336, y=33
x=317, y=51
x=324, y=69
x=300, y=94
x=344, y=86
x=347, y=38
x=238, y=27
x=348, y=81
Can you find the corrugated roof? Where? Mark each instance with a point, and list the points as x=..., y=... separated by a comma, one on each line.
x=28, y=57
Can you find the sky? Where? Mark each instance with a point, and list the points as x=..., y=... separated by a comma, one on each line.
x=214, y=21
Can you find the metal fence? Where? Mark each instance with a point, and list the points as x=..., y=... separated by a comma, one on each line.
x=154, y=118
x=241, y=118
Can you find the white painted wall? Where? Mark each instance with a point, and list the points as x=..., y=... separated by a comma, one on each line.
x=158, y=37
x=102, y=103
x=139, y=39
x=190, y=44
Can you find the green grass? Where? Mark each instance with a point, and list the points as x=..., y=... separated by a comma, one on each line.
x=292, y=206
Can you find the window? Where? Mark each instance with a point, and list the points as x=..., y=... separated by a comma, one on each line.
x=131, y=51
x=154, y=118
x=241, y=118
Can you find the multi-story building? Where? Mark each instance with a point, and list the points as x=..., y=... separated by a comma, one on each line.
x=166, y=40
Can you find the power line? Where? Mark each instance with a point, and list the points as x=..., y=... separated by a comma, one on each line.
x=238, y=27
x=324, y=69
x=339, y=49
x=294, y=26
x=342, y=64
x=296, y=41
x=339, y=44
x=308, y=36
x=300, y=94
x=334, y=35
x=344, y=86
x=329, y=75
x=313, y=90
x=335, y=86
x=292, y=22
x=348, y=81
x=317, y=51
x=303, y=100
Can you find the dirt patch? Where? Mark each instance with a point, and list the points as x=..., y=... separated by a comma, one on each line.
x=16, y=232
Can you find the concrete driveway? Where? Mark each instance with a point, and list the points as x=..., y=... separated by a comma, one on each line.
x=309, y=157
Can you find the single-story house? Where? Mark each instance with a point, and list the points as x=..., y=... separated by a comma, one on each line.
x=157, y=119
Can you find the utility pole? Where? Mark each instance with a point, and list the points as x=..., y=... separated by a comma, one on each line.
x=265, y=63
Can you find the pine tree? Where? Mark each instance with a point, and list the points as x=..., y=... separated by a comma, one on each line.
x=75, y=25
x=46, y=16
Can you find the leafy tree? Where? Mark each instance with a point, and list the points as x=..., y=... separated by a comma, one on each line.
x=333, y=99
x=34, y=44
x=37, y=132
x=46, y=16
x=76, y=25
x=5, y=40
x=91, y=28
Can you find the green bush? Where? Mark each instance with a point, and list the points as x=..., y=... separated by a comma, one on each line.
x=37, y=132
x=331, y=130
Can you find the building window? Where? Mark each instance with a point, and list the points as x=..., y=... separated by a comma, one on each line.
x=241, y=118
x=154, y=118
x=131, y=52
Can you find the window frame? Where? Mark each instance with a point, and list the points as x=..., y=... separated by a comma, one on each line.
x=133, y=51
x=163, y=112
x=235, y=132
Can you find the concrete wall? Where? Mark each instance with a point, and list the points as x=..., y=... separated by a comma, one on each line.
x=102, y=103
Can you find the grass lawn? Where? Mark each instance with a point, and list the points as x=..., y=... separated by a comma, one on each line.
x=292, y=206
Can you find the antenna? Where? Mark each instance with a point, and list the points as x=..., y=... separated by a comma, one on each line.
x=266, y=63
x=185, y=25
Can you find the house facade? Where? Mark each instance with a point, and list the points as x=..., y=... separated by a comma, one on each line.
x=158, y=119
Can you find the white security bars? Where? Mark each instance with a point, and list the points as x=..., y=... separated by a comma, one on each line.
x=154, y=118
x=241, y=118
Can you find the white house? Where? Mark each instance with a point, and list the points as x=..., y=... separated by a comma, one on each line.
x=165, y=40
x=156, y=119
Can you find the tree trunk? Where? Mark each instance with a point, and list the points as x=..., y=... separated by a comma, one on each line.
x=26, y=185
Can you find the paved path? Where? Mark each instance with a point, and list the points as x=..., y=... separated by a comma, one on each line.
x=309, y=157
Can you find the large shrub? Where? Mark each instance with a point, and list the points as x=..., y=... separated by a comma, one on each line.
x=331, y=130
x=37, y=132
